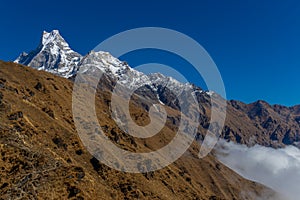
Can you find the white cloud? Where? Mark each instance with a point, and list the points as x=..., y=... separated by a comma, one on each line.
x=278, y=169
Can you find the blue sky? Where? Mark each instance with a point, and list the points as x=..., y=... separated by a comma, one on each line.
x=255, y=44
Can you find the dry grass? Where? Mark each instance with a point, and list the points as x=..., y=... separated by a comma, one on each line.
x=43, y=158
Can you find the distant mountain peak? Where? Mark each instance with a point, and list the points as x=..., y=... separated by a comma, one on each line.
x=53, y=54
x=54, y=32
x=48, y=37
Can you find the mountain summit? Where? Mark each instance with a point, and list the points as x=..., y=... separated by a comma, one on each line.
x=53, y=54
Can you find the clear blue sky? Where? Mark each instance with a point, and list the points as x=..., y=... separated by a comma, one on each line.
x=255, y=44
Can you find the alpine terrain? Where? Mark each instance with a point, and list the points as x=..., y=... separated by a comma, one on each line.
x=42, y=156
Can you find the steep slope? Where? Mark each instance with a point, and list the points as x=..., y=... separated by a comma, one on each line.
x=53, y=54
x=43, y=158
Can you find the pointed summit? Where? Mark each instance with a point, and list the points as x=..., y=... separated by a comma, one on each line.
x=53, y=37
x=53, y=54
x=49, y=37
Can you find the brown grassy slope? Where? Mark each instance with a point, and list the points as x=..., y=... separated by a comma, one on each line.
x=43, y=158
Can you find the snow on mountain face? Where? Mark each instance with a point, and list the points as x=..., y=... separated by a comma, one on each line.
x=127, y=76
x=169, y=82
x=22, y=58
x=53, y=55
x=103, y=61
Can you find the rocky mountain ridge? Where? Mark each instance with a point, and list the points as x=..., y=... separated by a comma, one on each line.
x=249, y=124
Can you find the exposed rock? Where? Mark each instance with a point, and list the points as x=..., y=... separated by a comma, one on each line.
x=49, y=112
x=16, y=115
x=39, y=86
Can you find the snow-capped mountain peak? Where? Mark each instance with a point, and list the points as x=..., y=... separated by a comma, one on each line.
x=105, y=62
x=53, y=54
x=49, y=37
x=114, y=68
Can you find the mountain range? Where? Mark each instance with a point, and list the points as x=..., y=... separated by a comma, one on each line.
x=44, y=158
x=255, y=123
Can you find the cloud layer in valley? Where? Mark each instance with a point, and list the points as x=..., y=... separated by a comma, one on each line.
x=278, y=169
